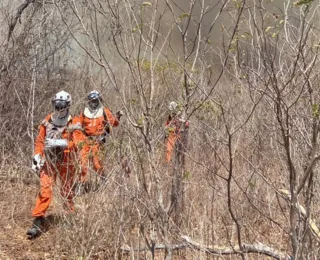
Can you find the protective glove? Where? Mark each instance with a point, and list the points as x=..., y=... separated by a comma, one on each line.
x=182, y=120
x=102, y=138
x=73, y=127
x=185, y=122
x=37, y=162
x=53, y=143
x=119, y=114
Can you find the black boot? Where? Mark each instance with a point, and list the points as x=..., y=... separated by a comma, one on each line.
x=35, y=230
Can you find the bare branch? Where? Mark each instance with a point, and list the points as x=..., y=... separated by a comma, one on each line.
x=218, y=250
x=18, y=16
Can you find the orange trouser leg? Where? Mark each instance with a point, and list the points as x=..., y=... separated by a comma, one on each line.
x=96, y=159
x=45, y=194
x=67, y=180
x=84, y=158
x=94, y=150
x=170, y=147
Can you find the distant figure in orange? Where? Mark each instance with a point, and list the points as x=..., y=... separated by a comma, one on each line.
x=53, y=156
x=96, y=122
x=174, y=129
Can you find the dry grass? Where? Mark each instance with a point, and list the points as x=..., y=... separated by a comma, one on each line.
x=115, y=216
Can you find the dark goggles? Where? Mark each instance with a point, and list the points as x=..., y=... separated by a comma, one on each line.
x=60, y=105
x=94, y=103
x=93, y=96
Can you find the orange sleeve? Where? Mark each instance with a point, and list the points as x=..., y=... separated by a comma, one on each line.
x=168, y=120
x=39, y=142
x=78, y=135
x=111, y=118
x=70, y=145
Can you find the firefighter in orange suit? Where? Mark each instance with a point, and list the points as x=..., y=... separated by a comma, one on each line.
x=53, y=153
x=173, y=129
x=96, y=122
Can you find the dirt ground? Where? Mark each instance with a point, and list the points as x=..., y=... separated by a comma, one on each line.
x=17, y=199
x=16, y=202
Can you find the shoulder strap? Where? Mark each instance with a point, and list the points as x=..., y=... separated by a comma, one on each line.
x=105, y=115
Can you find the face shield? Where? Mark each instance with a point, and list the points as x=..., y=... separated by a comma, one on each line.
x=94, y=104
x=61, y=108
x=173, y=106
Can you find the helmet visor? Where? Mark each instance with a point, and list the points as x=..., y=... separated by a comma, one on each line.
x=94, y=104
x=173, y=106
x=60, y=105
x=93, y=96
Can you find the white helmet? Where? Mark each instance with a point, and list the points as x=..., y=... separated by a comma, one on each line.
x=61, y=100
x=173, y=106
x=61, y=103
x=94, y=99
x=95, y=94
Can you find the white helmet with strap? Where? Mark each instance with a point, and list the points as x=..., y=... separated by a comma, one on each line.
x=61, y=102
x=173, y=105
x=95, y=94
x=94, y=101
x=62, y=98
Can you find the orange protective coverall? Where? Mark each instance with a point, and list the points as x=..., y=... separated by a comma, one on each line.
x=64, y=168
x=93, y=128
x=174, y=128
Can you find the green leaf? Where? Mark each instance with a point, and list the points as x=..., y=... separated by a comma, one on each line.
x=268, y=28
x=187, y=175
x=140, y=121
x=139, y=26
x=171, y=129
x=251, y=184
x=146, y=4
x=246, y=35
x=183, y=15
x=315, y=110
x=302, y=2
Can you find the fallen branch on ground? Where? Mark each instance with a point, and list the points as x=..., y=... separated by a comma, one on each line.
x=247, y=248
x=312, y=223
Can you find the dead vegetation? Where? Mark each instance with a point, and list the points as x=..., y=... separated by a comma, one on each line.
x=245, y=75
